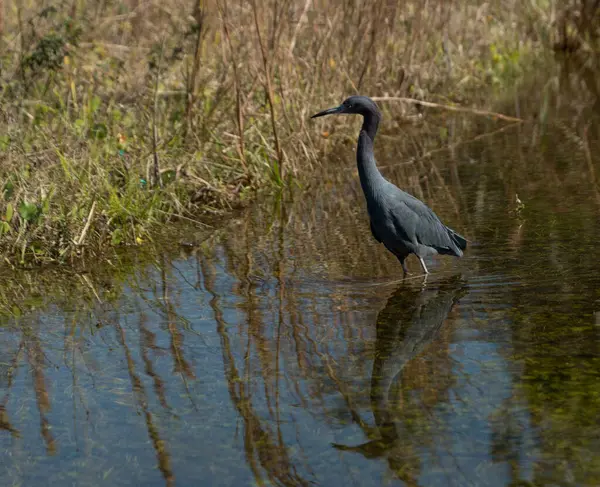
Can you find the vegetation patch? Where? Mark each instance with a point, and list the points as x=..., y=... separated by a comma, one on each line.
x=118, y=117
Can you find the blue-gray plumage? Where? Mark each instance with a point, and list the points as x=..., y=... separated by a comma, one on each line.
x=404, y=224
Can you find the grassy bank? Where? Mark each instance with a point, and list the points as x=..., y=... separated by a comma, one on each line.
x=118, y=117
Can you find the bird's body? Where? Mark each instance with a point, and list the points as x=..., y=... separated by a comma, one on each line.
x=404, y=224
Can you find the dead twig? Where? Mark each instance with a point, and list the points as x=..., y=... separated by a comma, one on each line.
x=301, y=21
x=236, y=85
x=87, y=224
x=156, y=173
x=452, y=108
x=192, y=80
x=269, y=90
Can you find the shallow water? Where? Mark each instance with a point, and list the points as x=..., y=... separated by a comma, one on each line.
x=285, y=349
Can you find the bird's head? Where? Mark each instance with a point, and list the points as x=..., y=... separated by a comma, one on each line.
x=361, y=105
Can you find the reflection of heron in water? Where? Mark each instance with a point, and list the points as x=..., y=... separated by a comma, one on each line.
x=411, y=319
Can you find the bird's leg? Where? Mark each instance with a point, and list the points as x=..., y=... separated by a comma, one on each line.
x=423, y=265
x=401, y=259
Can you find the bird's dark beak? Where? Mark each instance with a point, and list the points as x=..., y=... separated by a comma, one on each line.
x=329, y=111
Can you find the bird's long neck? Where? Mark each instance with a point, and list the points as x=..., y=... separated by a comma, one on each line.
x=370, y=177
x=370, y=124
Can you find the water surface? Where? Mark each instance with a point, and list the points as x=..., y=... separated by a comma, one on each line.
x=285, y=348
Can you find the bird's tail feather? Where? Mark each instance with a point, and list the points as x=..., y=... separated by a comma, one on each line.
x=459, y=240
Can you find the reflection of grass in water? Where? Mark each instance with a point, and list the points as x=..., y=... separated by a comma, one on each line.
x=266, y=453
x=92, y=326
x=558, y=353
x=163, y=456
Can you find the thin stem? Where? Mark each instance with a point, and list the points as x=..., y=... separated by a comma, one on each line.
x=474, y=111
x=269, y=91
x=157, y=179
x=192, y=81
x=237, y=88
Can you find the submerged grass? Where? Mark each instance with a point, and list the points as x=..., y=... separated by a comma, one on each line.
x=120, y=116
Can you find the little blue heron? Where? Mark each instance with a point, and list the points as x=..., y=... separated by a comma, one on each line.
x=404, y=224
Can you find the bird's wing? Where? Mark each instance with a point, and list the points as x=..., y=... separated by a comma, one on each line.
x=413, y=217
x=374, y=234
